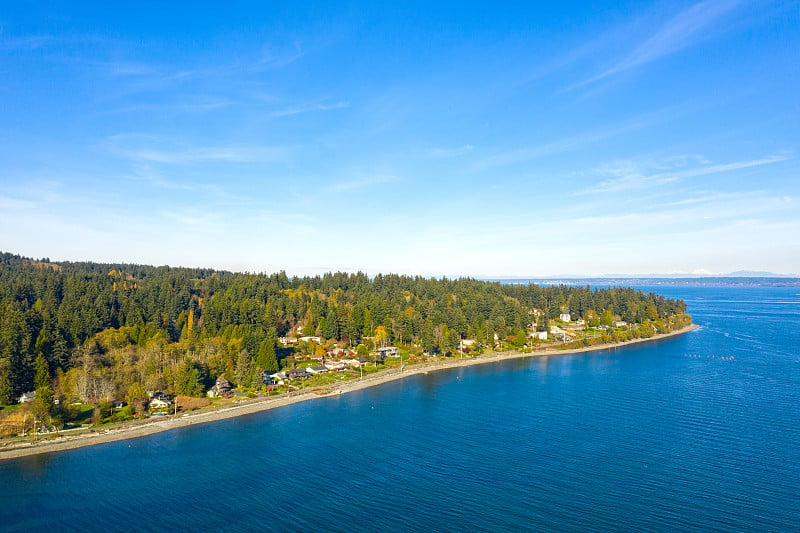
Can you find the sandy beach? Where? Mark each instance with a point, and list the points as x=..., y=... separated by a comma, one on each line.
x=129, y=430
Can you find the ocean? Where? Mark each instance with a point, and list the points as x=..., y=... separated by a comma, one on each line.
x=697, y=432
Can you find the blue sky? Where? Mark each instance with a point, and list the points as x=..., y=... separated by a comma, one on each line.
x=482, y=139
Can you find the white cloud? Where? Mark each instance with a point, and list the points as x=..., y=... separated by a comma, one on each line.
x=140, y=149
x=624, y=175
x=567, y=144
x=452, y=152
x=7, y=202
x=309, y=108
x=681, y=31
x=362, y=182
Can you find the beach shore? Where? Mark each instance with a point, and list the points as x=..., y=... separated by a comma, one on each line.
x=135, y=429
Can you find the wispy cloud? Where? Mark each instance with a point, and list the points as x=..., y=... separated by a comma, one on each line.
x=189, y=107
x=9, y=203
x=140, y=149
x=309, y=108
x=26, y=42
x=681, y=31
x=208, y=154
x=271, y=58
x=625, y=175
x=362, y=182
x=452, y=152
x=567, y=144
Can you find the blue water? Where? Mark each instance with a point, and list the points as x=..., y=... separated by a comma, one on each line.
x=698, y=432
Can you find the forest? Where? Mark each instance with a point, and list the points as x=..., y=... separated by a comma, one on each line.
x=99, y=332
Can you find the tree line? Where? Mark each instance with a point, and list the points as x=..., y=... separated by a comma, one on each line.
x=101, y=331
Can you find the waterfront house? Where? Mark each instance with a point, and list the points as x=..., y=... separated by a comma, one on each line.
x=158, y=403
x=297, y=373
x=27, y=397
x=541, y=335
x=221, y=388
x=387, y=351
x=340, y=352
x=157, y=394
x=560, y=334
x=319, y=369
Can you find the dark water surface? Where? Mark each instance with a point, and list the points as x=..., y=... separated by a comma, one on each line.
x=696, y=432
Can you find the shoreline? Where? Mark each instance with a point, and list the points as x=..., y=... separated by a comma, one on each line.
x=132, y=430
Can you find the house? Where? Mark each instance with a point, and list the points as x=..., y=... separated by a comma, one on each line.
x=118, y=404
x=278, y=378
x=221, y=388
x=297, y=373
x=319, y=369
x=158, y=403
x=339, y=365
x=619, y=323
x=564, y=317
x=309, y=339
x=27, y=397
x=286, y=341
x=580, y=322
x=387, y=351
x=541, y=335
x=560, y=334
x=340, y=352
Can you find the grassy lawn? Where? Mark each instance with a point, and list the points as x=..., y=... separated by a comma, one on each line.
x=79, y=413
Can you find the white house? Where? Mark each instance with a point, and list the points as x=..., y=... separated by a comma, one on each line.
x=159, y=402
x=388, y=351
x=564, y=317
x=541, y=335
x=27, y=397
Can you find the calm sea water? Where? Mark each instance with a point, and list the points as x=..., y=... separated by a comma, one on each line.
x=698, y=432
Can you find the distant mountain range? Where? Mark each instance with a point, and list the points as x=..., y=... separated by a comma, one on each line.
x=671, y=275
x=741, y=278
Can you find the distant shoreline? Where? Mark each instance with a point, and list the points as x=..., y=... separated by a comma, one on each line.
x=132, y=430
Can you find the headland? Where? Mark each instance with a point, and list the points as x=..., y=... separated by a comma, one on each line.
x=72, y=439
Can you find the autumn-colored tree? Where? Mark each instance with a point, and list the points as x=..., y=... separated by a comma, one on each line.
x=381, y=336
